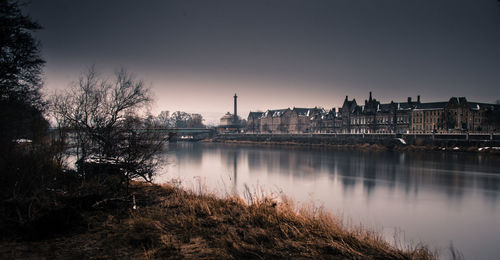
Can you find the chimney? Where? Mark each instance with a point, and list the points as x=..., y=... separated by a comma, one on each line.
x=370, y=96
x=235, y=108
x=418, y=99
x=409, y=99
x=346, y=98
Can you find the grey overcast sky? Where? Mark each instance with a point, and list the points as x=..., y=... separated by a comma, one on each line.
x=277, y=54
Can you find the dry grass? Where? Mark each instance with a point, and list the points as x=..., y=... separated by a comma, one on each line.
x=173, y=223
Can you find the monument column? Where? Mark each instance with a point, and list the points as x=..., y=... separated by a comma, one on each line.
x=235, y=115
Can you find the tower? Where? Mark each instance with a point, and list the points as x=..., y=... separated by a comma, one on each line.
x=235, y=115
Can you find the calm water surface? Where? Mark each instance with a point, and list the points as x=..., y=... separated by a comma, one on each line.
x=436, y=198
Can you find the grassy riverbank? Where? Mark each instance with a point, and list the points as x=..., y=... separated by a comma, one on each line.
x=169, y=222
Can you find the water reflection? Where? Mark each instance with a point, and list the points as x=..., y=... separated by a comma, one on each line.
x=451, y=173
x=235, y=171
x=436, y=197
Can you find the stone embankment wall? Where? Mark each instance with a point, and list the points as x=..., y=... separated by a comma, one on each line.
x=442, y=140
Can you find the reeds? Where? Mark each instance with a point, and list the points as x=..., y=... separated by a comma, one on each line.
x=258, y=226
x=173, y=223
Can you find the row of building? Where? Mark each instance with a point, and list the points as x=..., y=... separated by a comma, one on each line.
x=456, y=115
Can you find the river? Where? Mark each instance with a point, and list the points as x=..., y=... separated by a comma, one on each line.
x=435, y=198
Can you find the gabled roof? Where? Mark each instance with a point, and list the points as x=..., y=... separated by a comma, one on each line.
x=432, y=105
x=477, y=106
x=350, y=105
x=398, y=106
x=408, y=105
x=386, y=107
x=304, y=111
x=275, y=113
x=279, y=112
x=255, y=114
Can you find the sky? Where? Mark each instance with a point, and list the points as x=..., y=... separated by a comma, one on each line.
x=195, y=55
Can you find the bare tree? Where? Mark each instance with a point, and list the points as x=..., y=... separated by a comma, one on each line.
x=180, y=119
x=164, y=119
x=139, y=147
x=105, y=126
x=196, y=120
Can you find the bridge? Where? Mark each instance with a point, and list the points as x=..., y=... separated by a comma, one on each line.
x=175, y=134
x=184, y=134
x=180, y=130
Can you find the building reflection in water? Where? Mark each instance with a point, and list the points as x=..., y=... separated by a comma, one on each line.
x=448, y=173
x=451, y=174
x=431, y=195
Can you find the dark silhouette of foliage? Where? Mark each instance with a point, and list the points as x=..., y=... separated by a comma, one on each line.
x=28, y=166
x=21, y=103
x=20, y=61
